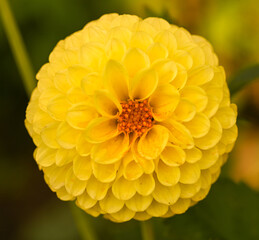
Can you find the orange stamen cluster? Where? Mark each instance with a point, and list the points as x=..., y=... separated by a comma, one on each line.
x=136, y=117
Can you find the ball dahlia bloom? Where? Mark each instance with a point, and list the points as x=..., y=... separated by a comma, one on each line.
x=131, y=118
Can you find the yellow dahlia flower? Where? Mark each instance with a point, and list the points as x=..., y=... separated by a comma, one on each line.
x=131, y=118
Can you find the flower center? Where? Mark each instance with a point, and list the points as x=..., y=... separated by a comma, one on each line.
x=136, y=117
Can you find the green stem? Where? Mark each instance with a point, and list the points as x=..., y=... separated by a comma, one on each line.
x=83, y=225
x=17, y=46
x=147, y=230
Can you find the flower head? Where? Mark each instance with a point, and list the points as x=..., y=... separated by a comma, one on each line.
x=131, y=118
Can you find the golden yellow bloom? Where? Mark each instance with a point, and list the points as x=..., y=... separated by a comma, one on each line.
x=131, y=118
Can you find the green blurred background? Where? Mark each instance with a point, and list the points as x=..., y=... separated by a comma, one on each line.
x=30, y=211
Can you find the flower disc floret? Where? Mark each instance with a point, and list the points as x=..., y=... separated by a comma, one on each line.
x=131, y=118
x=136, y=117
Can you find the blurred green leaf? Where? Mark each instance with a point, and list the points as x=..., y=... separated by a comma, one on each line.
x=53, y=221
x=230, y=212
x=243, y=78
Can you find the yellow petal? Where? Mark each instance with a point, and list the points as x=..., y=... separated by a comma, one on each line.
x=184, y=58
x=229, y=136
x=168, y=214
x=125, y=20
x=84, y=201
x=144, y=84
x=189, y=190
x=83, y=147
x=116, y=80
x=106, y=104
x=32, y=106
x=57, y=175
x=96, y=189
x=105, y=173
x=141, y=40
x=92, y=55
x=164, y=101
x=157, y=51
x=166, y=69
x=47, y=95
x=110, y=204
x=82, y=167
x=180, y=206
x=167, y=38
x=45, y=75
x=93, y=34
x=61, y=81
x=48, y=135
x=196, y=96
x=64, y=195
x=76, y=75
x=226, y=96
x=57, y=107
x=211, y=58
x=153, y=142
x=199, y=126
x=67, y=136
x=62, y=58
x=190, y=173
x=179, y=134
x=135, y=60
x=145, y=185
x=115, y=49
x=131, y=169
x=110, y=151
x=166, y=195
x=139, y=203
x=157, y=209
x=123, y=189
x=201, y=194
x=212, y=137
x=205, y=178
x=173, y=155
x=197, y=54
x=142, y=216
x=183, y=37
x=123, y=215
x=218, y=80
x=78, y=116
x=216, y=166
x=144, y=27
x=35, y=137
x=90, y=83
x=157, y=23
x=94, y=211
x=184, y=111
x=101, y=129
x=215, y=96
x=64, y=156
x=73, y=185
x=209, y=157
x=193, y=155
x=45, y=156
x=77, y=96
x=200, y=75
x=73, y=41
x=121, y=33
x=147, y=165
x=227, y=116
x=167, y=175
x=181, y=77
